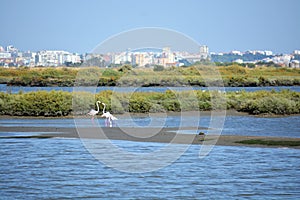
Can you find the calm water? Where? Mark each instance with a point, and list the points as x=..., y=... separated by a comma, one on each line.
x=60, y=168
x=63, y=169
x=234, y=125
x=16, y=89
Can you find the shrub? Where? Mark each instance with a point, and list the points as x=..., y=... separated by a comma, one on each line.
x=158, y=68
x=59, y=103
x=139, y=104
x=41, y=103
x=83, y=102
x=270, y=105
x=125, y=68
x=110, y=73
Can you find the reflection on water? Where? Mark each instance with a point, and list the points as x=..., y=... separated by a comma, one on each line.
x=234, y=125
x=62, y=169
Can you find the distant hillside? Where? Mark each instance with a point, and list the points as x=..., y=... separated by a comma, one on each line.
x=227, y=58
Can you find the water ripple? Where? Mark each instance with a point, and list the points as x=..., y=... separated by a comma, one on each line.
x=63, y=169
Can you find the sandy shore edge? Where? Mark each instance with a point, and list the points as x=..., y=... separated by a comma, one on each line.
x=162, y=135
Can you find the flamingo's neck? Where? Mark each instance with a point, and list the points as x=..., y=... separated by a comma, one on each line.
x=97, y=103
x=104, y=109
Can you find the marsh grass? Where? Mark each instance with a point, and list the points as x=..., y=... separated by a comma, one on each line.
x=198, y=75
x=59, y=103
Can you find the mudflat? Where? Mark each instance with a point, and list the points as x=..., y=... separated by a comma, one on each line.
x=163, y=135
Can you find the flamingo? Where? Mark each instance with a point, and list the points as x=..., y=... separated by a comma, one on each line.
x=93, y=112
x=109, y=117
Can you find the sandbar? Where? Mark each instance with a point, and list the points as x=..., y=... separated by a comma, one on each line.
x=162, y=135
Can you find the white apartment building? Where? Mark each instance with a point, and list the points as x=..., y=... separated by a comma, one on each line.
x=284, y=59
x=11, y=48
x=268, y=53
x=204, y=53
x=294, y=64
x=55, y=58
x=296, y=52
x=236, y=52
x=5, y=55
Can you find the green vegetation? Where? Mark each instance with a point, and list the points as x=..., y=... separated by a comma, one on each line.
x=38, y=76
x=158, y=68
x=41, y=103
x=271, y=142
x=263, y=102
x=198, y=75
x=59, y=103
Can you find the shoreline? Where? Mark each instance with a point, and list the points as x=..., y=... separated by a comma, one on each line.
x=230, y=112
x=7, y=84
x=157, y=114
x=159, y=135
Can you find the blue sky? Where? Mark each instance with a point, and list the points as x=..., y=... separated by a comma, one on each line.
x=79, y=25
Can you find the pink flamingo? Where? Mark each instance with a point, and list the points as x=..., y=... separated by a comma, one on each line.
x=109, y=117
x=93, y=112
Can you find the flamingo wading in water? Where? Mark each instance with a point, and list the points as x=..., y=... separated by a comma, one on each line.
x=93, y=112
x=109, y=117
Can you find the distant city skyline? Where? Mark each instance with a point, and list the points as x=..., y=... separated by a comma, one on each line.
x=79, y=26
x=11, y=56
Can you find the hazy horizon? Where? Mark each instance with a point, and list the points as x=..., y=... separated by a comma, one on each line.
x=80, y=26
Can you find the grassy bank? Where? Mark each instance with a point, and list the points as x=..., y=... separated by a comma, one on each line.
x=59, y=103
x=198, y=75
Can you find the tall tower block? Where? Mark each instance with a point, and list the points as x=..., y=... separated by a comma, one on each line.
x=204, y=54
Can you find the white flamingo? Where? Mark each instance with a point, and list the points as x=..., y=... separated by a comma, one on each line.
x=93, y=112
x=109, y=117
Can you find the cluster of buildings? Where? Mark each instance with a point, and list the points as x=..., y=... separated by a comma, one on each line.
x=146, y=57
x=11, y=56
x=284, y=60
x=150, y=57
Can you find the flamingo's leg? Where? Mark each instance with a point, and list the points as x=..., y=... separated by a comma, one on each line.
x=110, y=122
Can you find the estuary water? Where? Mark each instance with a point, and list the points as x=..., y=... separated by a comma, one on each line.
x=60, y=168
x=233, y=124
x=64, y=169
x=16, y=89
